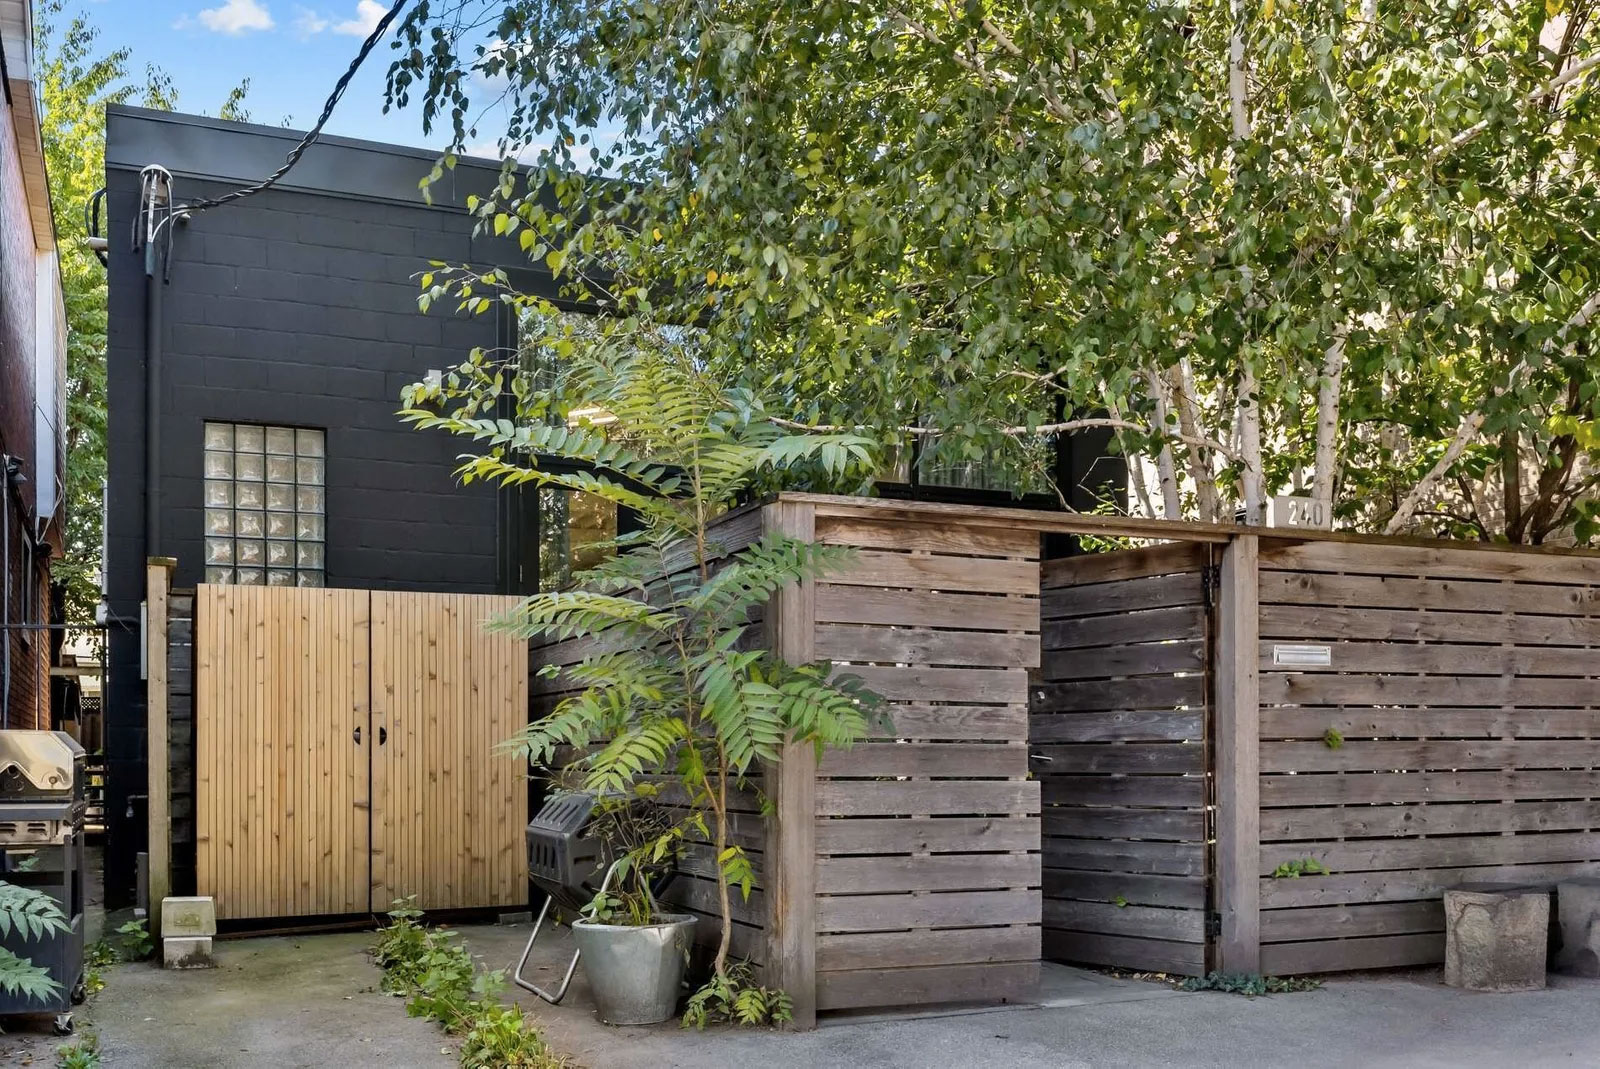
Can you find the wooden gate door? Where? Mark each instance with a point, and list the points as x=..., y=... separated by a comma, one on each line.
x=449, y=806
x=281, y=777
x=1120, y=725
x=346, y=752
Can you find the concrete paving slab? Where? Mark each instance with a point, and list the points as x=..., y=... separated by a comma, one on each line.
x=1088, y=1019
x=312, y=1001
x=286, y=1001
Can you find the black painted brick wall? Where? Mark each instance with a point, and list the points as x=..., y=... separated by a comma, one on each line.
x=298, y=309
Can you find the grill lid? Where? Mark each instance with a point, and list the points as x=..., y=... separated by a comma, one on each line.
x=36, y=763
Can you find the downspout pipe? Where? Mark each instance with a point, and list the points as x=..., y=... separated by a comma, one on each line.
x=152, y=400
x=155, y=216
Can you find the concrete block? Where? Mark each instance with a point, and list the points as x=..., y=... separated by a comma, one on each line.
x=183, y=917
x=187, y=952
x=1578, y=916
x=1496, y=940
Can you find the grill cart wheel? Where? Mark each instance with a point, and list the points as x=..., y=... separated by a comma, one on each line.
x=80, y=993
x=63, y=1024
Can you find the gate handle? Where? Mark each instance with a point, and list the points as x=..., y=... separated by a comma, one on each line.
x=357, y=734
x=383, y=734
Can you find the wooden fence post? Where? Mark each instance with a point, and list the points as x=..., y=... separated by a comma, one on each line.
x=158, y=806
x=789, y=875
x=1238, y=757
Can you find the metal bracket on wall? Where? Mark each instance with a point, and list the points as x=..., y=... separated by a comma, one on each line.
x=1210, y=582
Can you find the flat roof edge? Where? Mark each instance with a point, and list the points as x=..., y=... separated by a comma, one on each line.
x=207, y=149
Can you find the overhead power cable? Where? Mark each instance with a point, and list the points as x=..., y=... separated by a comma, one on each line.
x=312, y=135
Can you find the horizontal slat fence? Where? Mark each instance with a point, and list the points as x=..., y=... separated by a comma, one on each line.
x=927, y=835
x=694, y=889
x=1453, y=736
x=1119, y=729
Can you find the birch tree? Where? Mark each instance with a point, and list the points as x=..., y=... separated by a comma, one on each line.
x=1270, y=243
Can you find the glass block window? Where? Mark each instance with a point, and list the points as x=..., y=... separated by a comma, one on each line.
x=265, y=505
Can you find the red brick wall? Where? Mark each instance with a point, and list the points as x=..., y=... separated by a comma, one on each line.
x=29, y=663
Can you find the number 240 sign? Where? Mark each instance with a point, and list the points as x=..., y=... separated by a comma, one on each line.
x=1288, y=511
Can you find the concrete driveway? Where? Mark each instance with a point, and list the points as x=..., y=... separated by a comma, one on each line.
x=312, y=1001
x=1087, y=1019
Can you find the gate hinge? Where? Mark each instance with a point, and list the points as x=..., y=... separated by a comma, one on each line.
x=1213, y=925
x=1210, y=582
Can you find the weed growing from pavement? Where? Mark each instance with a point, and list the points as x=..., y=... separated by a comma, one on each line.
x=84, y=1054
x=1249, y=984
x=432, y=970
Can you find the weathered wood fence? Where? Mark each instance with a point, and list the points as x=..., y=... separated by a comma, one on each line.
x=1120, y=733
x=1250, y=751
x=1282, y=750
x=905, y=870
x=1452, y=736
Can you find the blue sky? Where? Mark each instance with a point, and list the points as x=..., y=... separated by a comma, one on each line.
x=291, y=50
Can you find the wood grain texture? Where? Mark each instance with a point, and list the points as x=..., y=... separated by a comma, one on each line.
x=346, y=752
x=450, y=806
x=926, y=862
x=1238, y=759
x=281, y=781
x=158, y=583
x=1127, y=564
x=1461, y=686
x=1119, y=730
x=985, y=981
x=790, y=852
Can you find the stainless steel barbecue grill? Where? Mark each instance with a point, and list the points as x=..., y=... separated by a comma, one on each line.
x=42, y=781
x=571, y=861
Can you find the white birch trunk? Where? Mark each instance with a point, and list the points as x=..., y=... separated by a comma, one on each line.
x=1324, y=473
x=1238, y=78
x=1255, y=506
x=1166, y=470
x=1181, y=381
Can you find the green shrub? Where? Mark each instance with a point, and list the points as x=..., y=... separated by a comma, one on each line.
x=33, y=915
x=500, y=1036
x=135, y=941
x=1249, y=983
x=733, y=997
x=433, y=971
x=84, y=1054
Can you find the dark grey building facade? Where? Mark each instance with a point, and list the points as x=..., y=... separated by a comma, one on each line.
x=296, y=310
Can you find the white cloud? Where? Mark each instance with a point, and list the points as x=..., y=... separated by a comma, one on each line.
x=308, y=22
x=234, y=17
x=368, y=12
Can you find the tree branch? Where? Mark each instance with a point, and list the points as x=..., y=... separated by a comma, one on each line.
x=1473, y=421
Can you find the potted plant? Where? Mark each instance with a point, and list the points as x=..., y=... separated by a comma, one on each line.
x=634, y=953
x=673, y=693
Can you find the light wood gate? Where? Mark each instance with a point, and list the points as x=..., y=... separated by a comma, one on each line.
x=345, y=751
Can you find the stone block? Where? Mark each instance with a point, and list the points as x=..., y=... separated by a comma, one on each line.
x=1496, y=940
x=188, y=917
x=187, y=952
x=1578, y=917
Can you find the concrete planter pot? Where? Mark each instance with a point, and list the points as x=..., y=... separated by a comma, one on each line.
x=635, y=972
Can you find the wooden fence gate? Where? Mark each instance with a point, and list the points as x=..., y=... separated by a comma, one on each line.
x=345, y=751
x=1120, y=739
